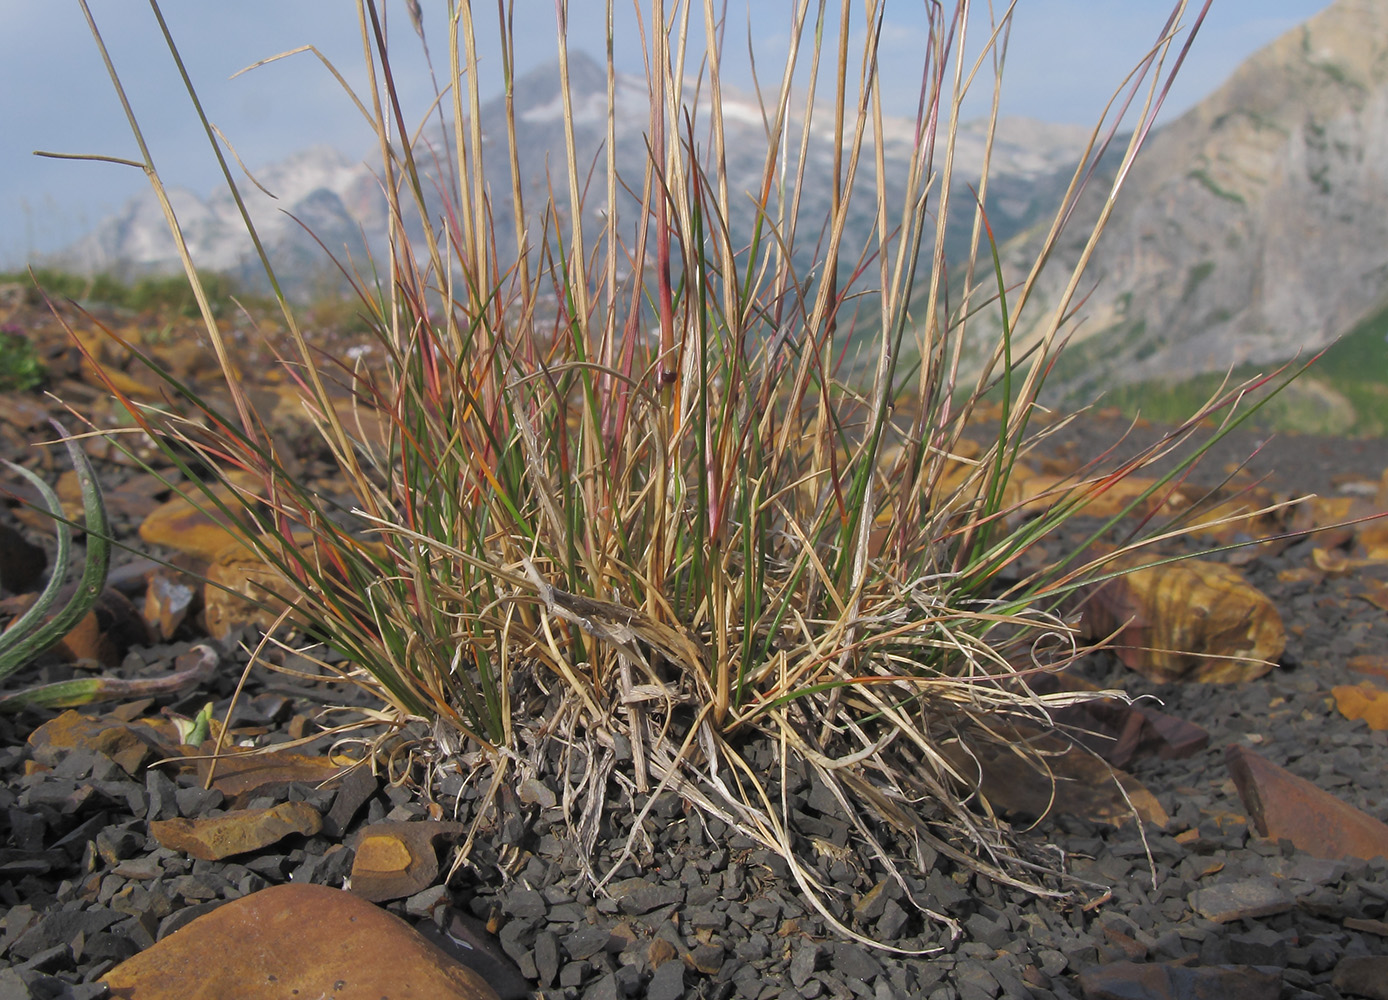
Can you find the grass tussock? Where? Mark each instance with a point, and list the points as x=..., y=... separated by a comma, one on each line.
x=616, y=479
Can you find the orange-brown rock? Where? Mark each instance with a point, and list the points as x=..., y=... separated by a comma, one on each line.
x=1375, y=592
x=236, y=832
x=190, y=524
x=241, y=589
x=1169, y=980
x=301, y=941
x=103, y=636
x=1326, y=516
x=1079, y=783
x=1368, y=663
x=238, y=775
x=169, y=597
x=1193, y=620
x=1117, y=730
x=1373, y=536
x=397, y=859
x=107, y=632
x=1362, y=975
x=1364, y=700
x=1283, y=806
x=130, y=745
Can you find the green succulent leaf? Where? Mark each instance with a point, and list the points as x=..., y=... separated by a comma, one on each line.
x=30, y=634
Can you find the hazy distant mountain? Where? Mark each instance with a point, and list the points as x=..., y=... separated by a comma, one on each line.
x=341, y=202
x=1254, y=226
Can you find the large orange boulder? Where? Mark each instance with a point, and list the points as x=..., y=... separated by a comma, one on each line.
x=296, y=941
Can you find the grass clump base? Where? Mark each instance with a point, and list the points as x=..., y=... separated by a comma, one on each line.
x=613, y=482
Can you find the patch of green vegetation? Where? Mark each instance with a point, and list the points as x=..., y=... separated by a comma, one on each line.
x=1345, y=392
x=151, y=293
x=1306, y=406
x=1337, y=73
x=1205, y=180
x=1360, y=355
x=20, y=367
x=1195, y=277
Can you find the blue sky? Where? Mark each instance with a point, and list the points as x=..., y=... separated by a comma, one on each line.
x=1066, y=56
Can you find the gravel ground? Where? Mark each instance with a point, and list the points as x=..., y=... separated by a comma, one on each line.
x=83, y=885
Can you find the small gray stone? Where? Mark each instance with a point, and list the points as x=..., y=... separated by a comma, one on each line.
x=424, y=904
x=195, y=802
x=636, y=896
x=528, y=903
x=184, y=917
x=892, y=921
x=1255, y=897
x=1260, y=946
x=707, y=919
x=668, y=981
x=356, y=787
x=13, y=987
x=854, y=962
x=804, y=963
x=987, y=931
x=162, y=794
x=547, y=956
x=604, y=989
x=114, y=844
x=586, y=942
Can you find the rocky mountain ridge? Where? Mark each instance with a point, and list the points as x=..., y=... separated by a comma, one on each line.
x=340, y=202
x=1250, y=229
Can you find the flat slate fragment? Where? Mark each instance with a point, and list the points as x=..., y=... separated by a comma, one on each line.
x=1257, y=897
x=637, y=896
x=236, y=832
x=1126, y=980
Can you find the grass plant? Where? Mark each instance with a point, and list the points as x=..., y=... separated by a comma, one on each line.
x=615, y=480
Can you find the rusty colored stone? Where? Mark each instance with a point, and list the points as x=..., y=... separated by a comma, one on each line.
x=131, y=746
x=240, y=775
x=1079, y=783
x=236, y=832
x=106, y=633
x=1332, y=562
x=1169, y=981
x=1368, y=663
x=1120, y=731
x=1193, y=620
x=659, y=951
x=168, y=599
x=397, y=859
x=241, y=589
x=1283, y=806
x=184, y=525
x=1362, y=976
x=296, y=941
x=1375, y=592
x=1364, y=700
